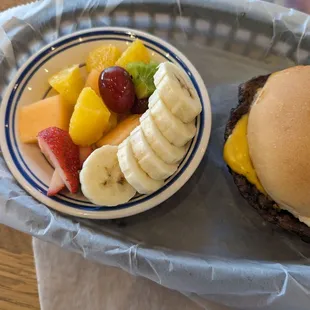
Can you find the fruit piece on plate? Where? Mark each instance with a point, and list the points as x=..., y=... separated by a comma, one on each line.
x=85, y=152
x=143, y=78
x=135, y=52
x=56, y=185
x=168, y=152
x=68, y=83
x=133, y=172
x=89, y=120
x=177, y=91
x=49, y=112
x=147, y=159
x=140, y=106
x=120, y=132
x=57, y=145
x=113, y=120
x=175, y=131
x=102, y=180
x=117, y=89
x=102, y=57
x=93, y=80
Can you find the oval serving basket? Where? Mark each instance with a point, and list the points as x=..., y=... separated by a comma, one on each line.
x=204, y=241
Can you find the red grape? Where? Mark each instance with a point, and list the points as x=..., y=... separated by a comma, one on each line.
x=117, y=89
x=140, y=106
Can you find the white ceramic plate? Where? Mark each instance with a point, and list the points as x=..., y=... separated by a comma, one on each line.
x=26, y=162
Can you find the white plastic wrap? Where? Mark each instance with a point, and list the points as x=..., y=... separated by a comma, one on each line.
x=205, y=241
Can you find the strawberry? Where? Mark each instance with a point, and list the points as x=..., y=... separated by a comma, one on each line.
x=57, y=145
x=57, y=184
x=84, y=153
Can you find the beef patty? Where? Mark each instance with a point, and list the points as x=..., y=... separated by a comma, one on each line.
x=265, y=206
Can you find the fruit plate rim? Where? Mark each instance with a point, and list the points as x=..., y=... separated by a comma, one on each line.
x=192, y=161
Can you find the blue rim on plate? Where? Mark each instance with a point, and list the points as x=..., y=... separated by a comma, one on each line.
x=17, y=164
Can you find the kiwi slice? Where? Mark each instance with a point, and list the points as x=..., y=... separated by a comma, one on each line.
x=143, y=78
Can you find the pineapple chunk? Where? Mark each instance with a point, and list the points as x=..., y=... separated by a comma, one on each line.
x=92, y=82
x=68, y=83
x=136, y=52
x=102, y=57
x=112, y=121
x=90, y=118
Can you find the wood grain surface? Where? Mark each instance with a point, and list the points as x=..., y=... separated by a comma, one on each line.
x=6, y=4
x=18, y=284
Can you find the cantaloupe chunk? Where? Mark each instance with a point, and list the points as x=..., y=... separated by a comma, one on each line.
x=123, y=129
x=92, y=81
x=33, y=118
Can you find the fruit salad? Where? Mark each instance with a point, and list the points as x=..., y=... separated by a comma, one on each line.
x=121, y=132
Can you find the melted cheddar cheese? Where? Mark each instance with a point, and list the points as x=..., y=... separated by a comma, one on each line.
x=236, y=153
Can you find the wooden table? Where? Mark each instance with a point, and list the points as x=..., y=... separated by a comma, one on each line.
x=18, y=284
x=5, y=4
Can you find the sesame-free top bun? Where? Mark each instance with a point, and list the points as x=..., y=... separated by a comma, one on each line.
x=263, y=204
x=279, y=138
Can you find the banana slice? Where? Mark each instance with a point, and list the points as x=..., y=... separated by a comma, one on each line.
x=156, y=168
x=174, y=130
x=168, y=152
x=133, y=172
x=177, y=91
x=102, y=180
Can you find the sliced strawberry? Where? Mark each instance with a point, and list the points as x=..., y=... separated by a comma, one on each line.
x=84, y=153
x=56, y=185
x=57, y=145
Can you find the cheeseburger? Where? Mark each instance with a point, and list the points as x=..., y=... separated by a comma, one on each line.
x=267, y=147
